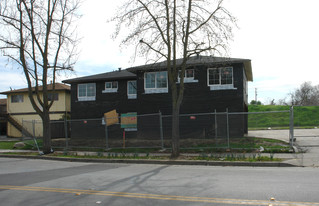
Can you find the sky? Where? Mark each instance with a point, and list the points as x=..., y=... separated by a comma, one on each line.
x=281, y=37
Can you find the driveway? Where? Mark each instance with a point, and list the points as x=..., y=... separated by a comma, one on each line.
x=306, y=139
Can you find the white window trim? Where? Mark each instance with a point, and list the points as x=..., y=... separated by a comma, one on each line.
x=221, y=86
x=110, y=90
x=131, y=96
x=86, y=98
x=155, y=90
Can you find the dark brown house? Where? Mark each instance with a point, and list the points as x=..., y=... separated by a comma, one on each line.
x=212, y=84
x=3, y=114
x=92, y=96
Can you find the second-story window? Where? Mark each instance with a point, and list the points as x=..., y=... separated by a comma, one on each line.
x=156, y=82
x=220, y=78
x=189, y=76
x=53, y=96
x=86, y=92
x=17, y=98
x=131, y=89
x=110, y=87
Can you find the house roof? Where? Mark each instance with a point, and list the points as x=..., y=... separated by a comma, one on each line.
x=58, y=87
x=198, y=60
x=3, y=101
x=115, y=75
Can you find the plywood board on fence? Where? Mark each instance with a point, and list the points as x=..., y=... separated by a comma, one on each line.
x=111, y=117
x=129, y=120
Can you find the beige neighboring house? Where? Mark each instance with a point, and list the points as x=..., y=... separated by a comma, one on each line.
x=21, y=115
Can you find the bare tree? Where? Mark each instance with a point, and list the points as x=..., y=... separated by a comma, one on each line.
x=283, y=101
x=172, y=29
x=37, y=36
x=305, y=95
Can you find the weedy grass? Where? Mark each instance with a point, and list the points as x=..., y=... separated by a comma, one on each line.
x=238, y=157
x=304, y=117
x=29, y=144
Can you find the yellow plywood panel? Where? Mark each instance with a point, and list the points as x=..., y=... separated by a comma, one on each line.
x=111, y=117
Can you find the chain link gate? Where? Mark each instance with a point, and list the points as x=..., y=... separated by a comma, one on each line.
x=307, y=135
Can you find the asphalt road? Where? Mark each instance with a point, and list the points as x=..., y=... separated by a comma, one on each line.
x=41, y=182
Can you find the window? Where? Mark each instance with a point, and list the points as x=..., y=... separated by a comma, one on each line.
x=150, y=80
x=220, y=78
x=189, y=73
x=189, y=76
x=156, y=82
x=17, y=98
x=86, y=92
x=110, y=87
x=131, y=89
x=53, y=96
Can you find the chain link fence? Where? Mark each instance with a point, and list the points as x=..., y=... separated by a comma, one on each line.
x=306, y=117
x=31, y=129
x=227, y=130
x=201, y=130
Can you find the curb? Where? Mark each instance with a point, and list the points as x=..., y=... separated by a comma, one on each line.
x=163, y=162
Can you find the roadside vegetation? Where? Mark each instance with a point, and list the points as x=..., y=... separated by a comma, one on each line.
x=29, y=145
x=238, y=145
x=255, y=157
x=229, y=157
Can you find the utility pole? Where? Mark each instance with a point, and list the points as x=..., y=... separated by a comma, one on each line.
x=256, y=95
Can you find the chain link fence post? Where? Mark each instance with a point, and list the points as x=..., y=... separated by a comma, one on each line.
x=34, y=137
x=66, y=134
x=22, y=133
x=291, y=127
x=33, y=128
x=106, y=135
x=227, y=122
x=216, y=127
x=161, y=129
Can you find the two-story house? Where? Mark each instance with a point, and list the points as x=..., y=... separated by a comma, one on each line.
x=212, y=84
x=21, y=113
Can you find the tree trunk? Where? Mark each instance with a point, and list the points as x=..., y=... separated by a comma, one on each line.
x=46, y=133
x=175, y=133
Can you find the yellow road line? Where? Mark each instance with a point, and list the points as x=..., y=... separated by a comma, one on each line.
x=158, y=197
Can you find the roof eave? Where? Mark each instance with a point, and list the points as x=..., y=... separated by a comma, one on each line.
x=71, y=81
x=248, y=70
x=25, y=91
